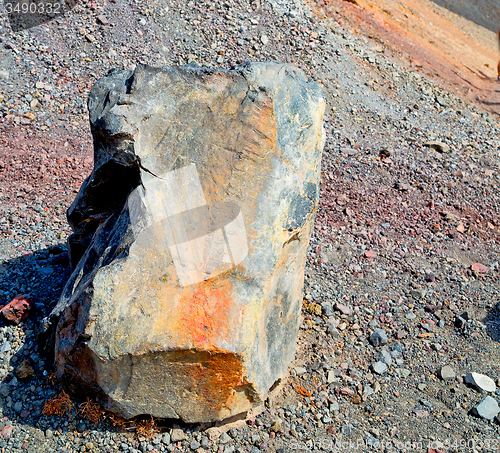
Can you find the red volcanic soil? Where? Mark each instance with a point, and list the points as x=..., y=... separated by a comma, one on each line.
x=428, y=38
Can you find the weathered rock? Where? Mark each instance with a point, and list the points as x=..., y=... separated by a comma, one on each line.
x=384, y=356
x=344, y=309
x=378, y=338
x=481, y=382
x=478, y=267
x=177, y=435
x=446, y=373
x=438, y=146
x=190, y=238
x=379, y=367
x=18, y=309
x=487, y=408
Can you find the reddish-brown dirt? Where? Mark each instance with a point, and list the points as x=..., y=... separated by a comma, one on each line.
x=429, y=38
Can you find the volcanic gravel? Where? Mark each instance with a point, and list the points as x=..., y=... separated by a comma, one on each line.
x=401, y=298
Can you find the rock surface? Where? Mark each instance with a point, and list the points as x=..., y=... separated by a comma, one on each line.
x=486, y=408
x=447, y=373
x=481, y=382
x=190, y=239
x=18, y=309
x=45, y=162
x=378, y=338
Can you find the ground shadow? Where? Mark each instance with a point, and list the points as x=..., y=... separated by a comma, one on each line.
x=492, y=323
x=27, y=373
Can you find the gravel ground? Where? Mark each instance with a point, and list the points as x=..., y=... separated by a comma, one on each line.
x=401, y=293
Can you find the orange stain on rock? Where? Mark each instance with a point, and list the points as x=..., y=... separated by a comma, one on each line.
x=217, y=377
x=205, y=313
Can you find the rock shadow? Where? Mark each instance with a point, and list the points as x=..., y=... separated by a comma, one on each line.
x=492, y=322
x=27, y=379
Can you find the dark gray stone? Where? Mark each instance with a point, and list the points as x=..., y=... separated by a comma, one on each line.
x=378, y=338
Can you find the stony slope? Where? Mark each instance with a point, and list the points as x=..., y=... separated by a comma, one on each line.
x=399, y=235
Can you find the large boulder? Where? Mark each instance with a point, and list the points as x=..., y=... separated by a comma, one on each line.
x=190, y=238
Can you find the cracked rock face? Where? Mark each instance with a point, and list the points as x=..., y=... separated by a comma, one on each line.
x=190, y=238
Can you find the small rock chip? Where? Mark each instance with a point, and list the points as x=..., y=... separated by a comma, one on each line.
x=370, y=254
x=333, y=331
x=166, y=439
x=481, y=382
x=334, y=406
x=356, y=399
x=5, y=347
x=481, y=268
x=446, y=373
x=417, y=293
x=486, y=408
x=403, y=372
x=347, y=391
x=177, y=435
x=277, y=426
x=300, y=370
x=461, y=320
x=314, y=309
x=378, y=338
x=7, y=431
x=439, y=147
x=367, y=391
x=384, y=356
x=441, y=101
x=18, y=309
x=344, y=309
x=342, y=200
x=403, y=187
x=379, y=368
x=224, y=438
x=102, y=19
x=194, y=445
x=327, y=309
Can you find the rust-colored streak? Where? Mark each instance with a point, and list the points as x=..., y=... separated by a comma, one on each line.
x=460, y=53
x=213, y=375
x=204, y=313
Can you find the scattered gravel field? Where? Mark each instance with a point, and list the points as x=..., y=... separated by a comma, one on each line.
x=402, y=294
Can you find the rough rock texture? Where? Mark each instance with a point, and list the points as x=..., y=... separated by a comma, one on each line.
x=18, y=309
x=481, y=382
x=486, y=408
x=190, y=239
